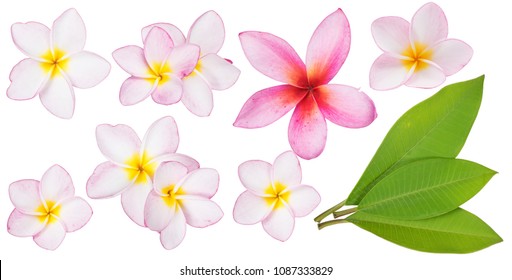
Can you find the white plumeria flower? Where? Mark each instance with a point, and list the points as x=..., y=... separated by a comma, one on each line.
x=179, y=198
x=274, y=195
x=56, y=63
x=47, y=209
x=132, y=163
x=211, y=72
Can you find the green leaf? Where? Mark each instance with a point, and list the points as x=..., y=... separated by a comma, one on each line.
x=426, y=188
x=458, y=231
x=436, y=127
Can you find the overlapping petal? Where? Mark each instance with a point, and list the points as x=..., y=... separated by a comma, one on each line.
x=134, y=90
x=108, y=180
x=200, y=212
x=132, y=60
x=157, y=212
x=74, y=213
x=133, y=200
x=451, y=55
x=302, y=200
x=388, y=72
x=183, y=59
x=255, y=175
x=51, y=236
x=25, y=196
x=202, y=182
x=68, y=32
x=428, y=77
x=58, y=97
x=167, y=91
x=31, y=38
x=174, y=32
x=27, y=79
x=197, y=95
x=250, y=208
x=117, y=143
x=23, y=225
x=219, y=73
x=157, y=47
x=279, y=223
x=174, y=233
x=168, y=174
x=391, y=34
x=86, y=69
x=429, y=25
x=56, y=185
x=286, y=169
x=207, y=32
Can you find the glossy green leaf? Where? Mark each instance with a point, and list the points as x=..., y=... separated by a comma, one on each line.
x=457, y=231
x=426, y=188
x=436, y=127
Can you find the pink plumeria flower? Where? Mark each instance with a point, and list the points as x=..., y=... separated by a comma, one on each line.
x=180, y=198
x=274, y=195
x=417, y=54
x=156, y=69
x=47, y=209
x=306, y=86
x=132, y=163
x=56, y=63
x=211, y=72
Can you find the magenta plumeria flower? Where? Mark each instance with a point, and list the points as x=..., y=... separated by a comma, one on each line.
x=47, y=209
x=180, y=197
x=274, y=195
x=211, y=72
x=156, y=69
x=132, y=163
x=417, y=54
x=306, y=86
x=56, y=63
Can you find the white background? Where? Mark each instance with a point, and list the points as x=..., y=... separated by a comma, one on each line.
x=111, y=245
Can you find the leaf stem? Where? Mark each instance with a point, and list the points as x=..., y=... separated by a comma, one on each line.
x=329, y=211
x=342, y=213
x=331, y=222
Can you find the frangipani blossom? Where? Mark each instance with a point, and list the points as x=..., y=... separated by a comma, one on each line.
x=211, y=72
x=274, y=195
x=179, y=198
x=56, y=63
x=306, y=86
x=47, y=209
x=156, y=69
x=132, y=163
x=417, y=54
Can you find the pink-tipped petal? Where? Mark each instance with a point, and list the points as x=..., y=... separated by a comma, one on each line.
x=391, y=34
x=219, y=73
x=23, y=225
x=74, y=213
x=255, y=175
x=202, y=182
x=250, y=209
x=189, y=162
x=108, y=180
x=307, y=132
x=158, y=212
x=429, y=25
x=174, y=32
x=117, y=143
x=303, y=200
x=174, y=233
x=169, y=173
x=27, y=78
x=168, y=91
x=134, y=200
x=157, y=47
x=268, y=105
x=286, y=169
x=86, y=69
x=328, y=48
x=56, y=185
x=133, y=61
x=58, y=97
x=279, y=223
x=451, y=55
x=134, y=90
x=274, y=57
x=345, y=105
x=161, y=138
x=428, y=77
x=25, y=195
x=197, y=95
x=200, y=212
x=31, y=38
x=387, y=73
x=183, y=59
x=51, y=236
x=207, y=32
x=68, y=32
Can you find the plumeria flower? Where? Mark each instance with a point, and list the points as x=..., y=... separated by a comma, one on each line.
x=47, y=209
x=306, y=86
x=274, y=195
x=156, y=69
x=417, y=54
x=179, y=198
x=211, y=72
x=132, y=163
x=56, y=63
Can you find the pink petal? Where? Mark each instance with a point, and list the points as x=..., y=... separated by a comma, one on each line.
x=167, y=174
x=255, y=175
x=117, y=143
x=268, y=105
x=58, y=97
x=429, y=25
x=286, y=169
x=429, y=77
x=157, y=47
x=68, y=32
x=134, y=90
x=134, y=200
x=279, y=223
x=391, y=34
x=202, y=182
x=157, y=213
x=197, y=95
x=274, y=57
x=307, y=132
x=451, y=55
x=56, y=185
x=328, y=48
x=25, y=196
x=219, y=73
x=108, y=180
x=250, y=209
x=27, y=79
x=183, y=59
x=302, y=200
x=23, y=225
x=86, y=69
x=189, y=162
x=200, y=213
x=74, y=213
x=161, y=137
x=387, y=73
x=174, y=233
x=51, y=236
x=174, y=32
x=31, y=38
x=133, y=61
x=345, y=105
x=207, y=32
x=168, y=91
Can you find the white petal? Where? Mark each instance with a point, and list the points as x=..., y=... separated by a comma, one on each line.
x=183, y=59
x=27, y=78
x=174, y=233
x=169, y=173
x=197, y=95
x=56, y=185
x=23, y=225
x=303, y=200
x=391, y=34
x=133, y=61
x=388, y=72
x=134, y=200
x=25, y=195
x=108, y=180
x=279, y=223
x=189, y=162
x=174, y=32
x=117, y=143
x=134, y=90
x=451, y=55
x=250, y=209
x=86, y=69
x=429, y=25
x=428, y=77
x=219, y=73
x=161, y=138
x=157, y=47
x=157, y=212
x=169, y=91
x=286, y=169
x=207, y=32
x=255, y=175
x=74, y=213
x=68, y=32
x=58, y=97
x=51, y=236
x=32, y=38
x=202, y=182
x=200, y=212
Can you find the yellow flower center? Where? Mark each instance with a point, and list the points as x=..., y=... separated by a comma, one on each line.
x=140, y=168
x=278, y=195
x=53, y=61
x=170, y=195
x=48, y=211
x=417, y=55
x=160, y=72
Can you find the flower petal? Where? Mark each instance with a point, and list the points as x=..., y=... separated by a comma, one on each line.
x=207, y=32
x=250, y=209
x=68, y=32
x=133, y=61
x=157, y=47
x=391, y=34
x=161, y=138
x=345, y=105
x=168, y=91
x=201, y=213
x=58, y=97
x=31, y=38
x=451, y=55
x=255, y=175
x=134, y=200
x=219, y=73
x=302, y=200
x=174, y=32
x=387, y=73
x=328, y=48
x=189, y=162
x=202, y=182
x=23, y=225
x=428, y=77
x=197, y=95
x=429, y=25
x=134, y=90
x=117, y=142
x=86, y=69
x=157, y=212
x=279, y=223
x=56, y=185
x=307, y=132
x=25, y=196
x=169, y=173
x=51, y=236
x=268, y=105
x=108, y=180
x=183, y=59
x=27, y=78
x=286, y=169
x=274, y=57
x=74, y=213
x=174, y=233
